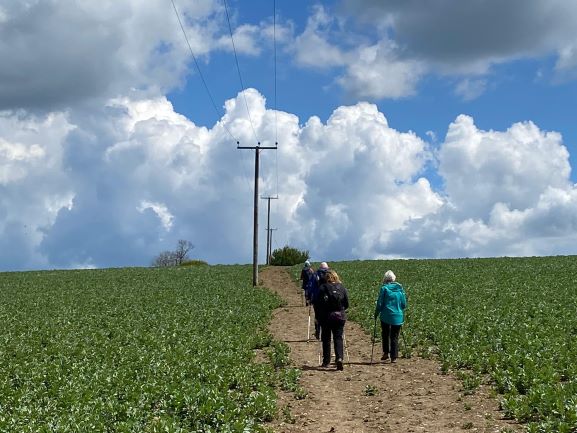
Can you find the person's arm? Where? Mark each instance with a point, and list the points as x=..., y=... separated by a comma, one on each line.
x=318, y=297
x=403, y=300
x=346, y=299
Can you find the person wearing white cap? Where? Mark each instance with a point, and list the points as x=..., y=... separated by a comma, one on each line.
x=308, y=278
x=322, y=273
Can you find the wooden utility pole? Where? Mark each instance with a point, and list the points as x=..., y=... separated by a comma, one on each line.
x=257, y=150
x=268, y=251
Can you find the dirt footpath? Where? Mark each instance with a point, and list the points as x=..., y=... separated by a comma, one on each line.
x=409, y=396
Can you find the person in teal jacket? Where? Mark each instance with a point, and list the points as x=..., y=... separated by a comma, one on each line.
x=391, y=304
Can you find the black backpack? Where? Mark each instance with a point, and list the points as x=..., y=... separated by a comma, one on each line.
x=334, y=297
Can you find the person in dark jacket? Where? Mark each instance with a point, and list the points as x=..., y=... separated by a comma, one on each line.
x=331, y=304
x=308, y=277
x=390, y=308
x=319, y=278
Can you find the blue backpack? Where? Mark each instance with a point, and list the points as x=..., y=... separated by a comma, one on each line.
x=310, y=283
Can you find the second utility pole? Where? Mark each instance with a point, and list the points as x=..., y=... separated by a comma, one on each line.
x=268, y=249
x=257, y=150
x=270, y=244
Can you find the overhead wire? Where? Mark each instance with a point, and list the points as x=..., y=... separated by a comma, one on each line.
x=275, y=92
x=241, y=82
x=238, y=69
x=274, y=51
x=217, y=111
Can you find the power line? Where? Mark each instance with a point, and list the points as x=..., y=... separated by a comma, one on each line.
x=218, y=113
x=238, y=69
x=275, y=93
x=274, y=50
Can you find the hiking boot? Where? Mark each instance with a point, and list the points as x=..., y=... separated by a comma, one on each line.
x=339, y=364
x=393, y=360
x=325, y=365
x=384, y=357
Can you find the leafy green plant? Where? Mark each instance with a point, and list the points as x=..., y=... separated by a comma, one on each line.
x=287, y=415
x=290, y=381
x=279, y=354
x=370, y=390
x=134, y=350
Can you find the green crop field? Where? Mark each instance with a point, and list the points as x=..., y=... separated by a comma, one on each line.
x=511, y=322
x=135, y=350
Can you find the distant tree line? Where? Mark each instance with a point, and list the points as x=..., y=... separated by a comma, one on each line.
x=286, y=256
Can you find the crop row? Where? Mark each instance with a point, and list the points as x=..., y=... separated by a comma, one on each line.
x=509, y=321
x=134, y=350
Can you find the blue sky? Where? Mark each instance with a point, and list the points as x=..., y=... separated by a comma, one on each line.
x=402, y=132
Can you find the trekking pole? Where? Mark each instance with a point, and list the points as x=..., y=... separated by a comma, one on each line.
x=406, y=321
x=374, y=330
x=374, y=338
x=346, y=347
x=309, y=326
x=320, y=346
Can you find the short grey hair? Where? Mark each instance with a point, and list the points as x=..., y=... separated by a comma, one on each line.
x=389, y=277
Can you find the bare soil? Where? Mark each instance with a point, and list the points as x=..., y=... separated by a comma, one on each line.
x=411, y=395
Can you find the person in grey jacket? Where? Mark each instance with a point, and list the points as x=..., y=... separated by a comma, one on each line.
x=390, y=308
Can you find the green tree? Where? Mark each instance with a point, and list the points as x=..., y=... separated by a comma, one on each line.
x=288, y=256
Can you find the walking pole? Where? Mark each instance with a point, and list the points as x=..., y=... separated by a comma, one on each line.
x=346, y=347
x=406, y=321
x=320, y=346
x=374, y=337
x=309, y=326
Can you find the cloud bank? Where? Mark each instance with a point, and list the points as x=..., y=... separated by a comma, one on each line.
x=117, y=186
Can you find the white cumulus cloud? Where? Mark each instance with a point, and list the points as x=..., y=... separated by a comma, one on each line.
x=507, y=193
x=120, y=185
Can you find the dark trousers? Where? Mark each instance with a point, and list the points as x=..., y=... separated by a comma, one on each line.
x=317, y=324
x=390, y=333
x=335, y=329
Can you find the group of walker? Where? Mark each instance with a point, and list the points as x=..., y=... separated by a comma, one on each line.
x=325, y=293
